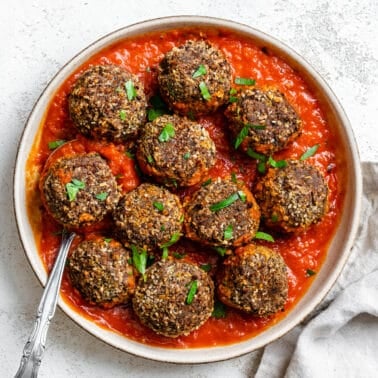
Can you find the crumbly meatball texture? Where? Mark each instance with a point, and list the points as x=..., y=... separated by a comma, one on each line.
x=231, y=225
x=273, y=122
x=162, y=299
x=254, y=280
x=293, y=198
x=148, y=217
x=181, y=159
x=108, y=102
x=100, y=271
x=187, y=71
x=79, y=190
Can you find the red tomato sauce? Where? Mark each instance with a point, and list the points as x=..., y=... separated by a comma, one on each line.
x=302, y=253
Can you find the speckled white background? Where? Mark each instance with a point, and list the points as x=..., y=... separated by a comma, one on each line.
x=339, y=38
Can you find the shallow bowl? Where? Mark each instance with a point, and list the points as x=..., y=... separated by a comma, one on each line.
x=340, y=245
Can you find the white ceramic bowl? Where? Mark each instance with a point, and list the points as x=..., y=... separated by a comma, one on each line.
x=339, y=248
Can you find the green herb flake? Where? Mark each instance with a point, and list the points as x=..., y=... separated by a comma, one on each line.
x=219, y=311
x=264, y=236
x=233, y=98
x=56, y=143
x=107, y=240
x=207, y=182
x=233, y=91
x=159, y=206
x=244, y=133
x=150, y=159
x=201, y=70
x=164, y=255
x=130, y=90
x=255, y=155
x=204, y=91
x=274, y=218
x=261, y=167
x=122, y=115
x=192, y=292
x=102, y=196
x=228, y=201
x=278, y=163
x=233, y=178
x=162, y=228
x=221, y=250
x=182, y=218
x=310, y=152
x=139, y=259
x=244, y=81
x=228, y=232
x=167, y=133
x=154, y=113
x=206, y=267
x=178, y=256
x=174, y=238
x=130, y=154
x=310, y=272
x=186, y=156
x=73, y=188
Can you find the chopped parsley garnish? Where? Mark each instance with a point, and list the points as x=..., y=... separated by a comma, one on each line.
x=167, y=133
x=107, y=240
x=233, y=92
x=186, y=156
x=221, y=250
x=122, y=114
x=130, y=154
x=264, y=236
x=178, y=256
x=278, y=163
x=310, y=152
x=102, y=196
x=158, y=108
x=164, y=255
x=56, y=143
x=192, y=291
x=228, y=232
x=207, y=182
x=159, y=206
x=139, y=259
x=174, y=238
x=154, y=113
x=219, y=310
x=228, y=201
x=130, y=90
x=201, y=70
x=205, y=267
x=255, y=155
x=261, y=167
x=182, y=218
x=150, y=159
x=233, y=178
x=73, y=188
x=274, y=218
x=310, y=272
x=204, y=91
x=244, y=81
x=244, y=133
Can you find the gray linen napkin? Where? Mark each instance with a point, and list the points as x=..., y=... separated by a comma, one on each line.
x=340, y=338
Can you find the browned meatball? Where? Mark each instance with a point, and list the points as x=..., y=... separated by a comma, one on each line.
x=79, y=190
x=99, y=269
x=148, y=217
x=108, y=102
x=253, y=280
x=175, y=151
x=195, y=78
x=222, y=213
x=292, y=198
x=174, y=298
x=270, y=122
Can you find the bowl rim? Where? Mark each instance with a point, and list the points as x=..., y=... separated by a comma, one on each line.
x=193, y=355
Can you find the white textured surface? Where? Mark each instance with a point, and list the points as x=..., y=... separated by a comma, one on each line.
x=339, y=38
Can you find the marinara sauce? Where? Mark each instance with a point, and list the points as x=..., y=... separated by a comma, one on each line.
x=302, y=253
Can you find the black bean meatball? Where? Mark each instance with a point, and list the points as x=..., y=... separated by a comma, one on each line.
x=253, y=280
x=79, y=190
x=222, y=213
x=148, y=217
x=108, y=102
x=175, y=298
x=270, y=121
x=194, y=78
x=175, y=151
x=99, y=269
x=292, y=198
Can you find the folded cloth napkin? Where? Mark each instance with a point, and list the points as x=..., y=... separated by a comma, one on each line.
x=341, y=337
